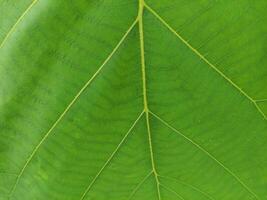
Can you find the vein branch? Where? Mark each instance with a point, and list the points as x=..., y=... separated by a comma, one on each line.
x=139, y=185
x=172, y=191
x=207, y=153
x=261, y=100
x=202, y=57
x=111, y=157
x=188, y=185
x=16, y=23
x=76, y=97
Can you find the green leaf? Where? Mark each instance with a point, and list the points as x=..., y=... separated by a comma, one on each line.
x=133, y=100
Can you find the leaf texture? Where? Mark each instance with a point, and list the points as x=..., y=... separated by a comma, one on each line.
x=133, y=100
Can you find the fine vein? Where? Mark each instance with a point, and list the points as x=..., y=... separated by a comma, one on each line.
x=261, y=100
x=17, y=22
x=142, y=51
x=188, y=185
x=8, y=173
x=146, y=109
x=139, y=185
x=206, y=152
x=69, y=106
x=172, y=191
x=111, y=156
x=205, y=59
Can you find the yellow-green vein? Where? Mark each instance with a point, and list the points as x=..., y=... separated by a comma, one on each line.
x=261, y=100
x=172, y=191
x=205, y=59
x=188, y=185
x=110, y=157
x=142, y=51
x=139, y=185
x=69, y=106
x=16, y=23
x=206, y=152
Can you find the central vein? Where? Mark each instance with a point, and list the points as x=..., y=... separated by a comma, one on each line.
x=146, y=109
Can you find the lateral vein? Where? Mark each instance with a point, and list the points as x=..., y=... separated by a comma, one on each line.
x=202, y=57
x=139, y=185
x=188, y=185
x=207, y=153
x=16, y=23
x=172, y=191
x=69, y=106
x=111, y=157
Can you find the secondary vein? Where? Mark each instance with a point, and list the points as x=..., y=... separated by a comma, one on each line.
x=69, y=107
x=17, y=22
x=111, y=156
x=188, y=185
x=172, y=191
x=139, y=185
x=205, y=152
x=202, y=57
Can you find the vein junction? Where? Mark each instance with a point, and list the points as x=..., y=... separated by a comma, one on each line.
x=143, y=5
x=146, y=111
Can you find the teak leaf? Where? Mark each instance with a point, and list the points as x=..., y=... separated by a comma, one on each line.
x=133, y=100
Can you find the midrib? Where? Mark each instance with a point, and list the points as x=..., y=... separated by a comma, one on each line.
x=146, y=109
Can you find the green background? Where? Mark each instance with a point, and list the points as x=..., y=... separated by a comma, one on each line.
x=133, y=100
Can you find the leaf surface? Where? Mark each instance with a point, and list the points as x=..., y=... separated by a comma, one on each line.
x=133, y=100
